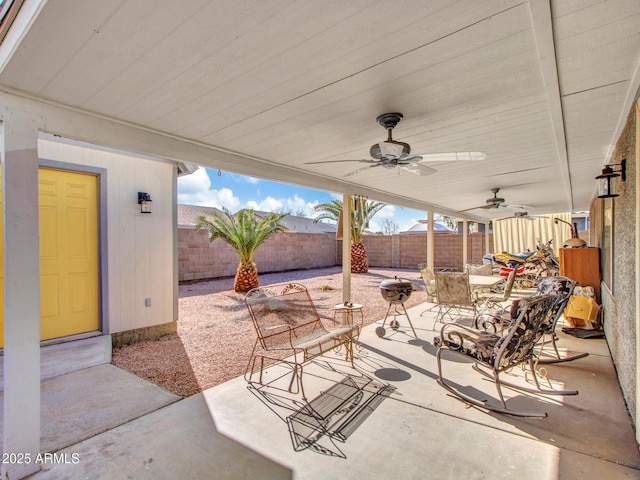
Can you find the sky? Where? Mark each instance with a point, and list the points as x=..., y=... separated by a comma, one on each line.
x=234, y=192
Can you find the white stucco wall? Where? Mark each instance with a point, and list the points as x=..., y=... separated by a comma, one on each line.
x=139, y=246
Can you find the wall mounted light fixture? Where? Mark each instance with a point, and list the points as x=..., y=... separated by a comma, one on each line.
x=604, y=179
x=144, y=200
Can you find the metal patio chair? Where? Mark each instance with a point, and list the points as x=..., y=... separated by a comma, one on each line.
x=453, y=293
x=429, y=279
x=563, y=288
x=288, y=325
x=493, y=353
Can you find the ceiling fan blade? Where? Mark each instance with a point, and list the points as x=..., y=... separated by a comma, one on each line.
x=483, y=207
x=517, y=207
x=453, y=156
x=417, y=168
x=339, y=161
x=375, y=164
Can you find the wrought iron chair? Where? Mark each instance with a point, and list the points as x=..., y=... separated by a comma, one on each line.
x=563, y=288
x=484, y=269
x=494, y=353
x=454, y=293
x=491, y=309
x=429, y=279
x=288, y=325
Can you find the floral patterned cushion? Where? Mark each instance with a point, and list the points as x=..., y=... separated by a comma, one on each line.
x=474, y=343
x=562, y=287
x=555, y=285
x=530, y=317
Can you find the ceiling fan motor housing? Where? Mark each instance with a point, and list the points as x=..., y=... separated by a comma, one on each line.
x=495, y=201
x=391, y=149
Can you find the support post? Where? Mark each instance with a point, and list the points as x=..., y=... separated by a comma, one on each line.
x=465, y=242
x=488, y=248
x=431, y=244
x=21, y=290
x=346, y=248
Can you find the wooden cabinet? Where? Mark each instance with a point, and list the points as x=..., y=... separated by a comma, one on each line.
x=583, y=266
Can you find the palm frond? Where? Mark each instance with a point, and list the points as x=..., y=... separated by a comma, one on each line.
x=243, y=231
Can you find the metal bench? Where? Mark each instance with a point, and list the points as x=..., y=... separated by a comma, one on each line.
x=289, y=330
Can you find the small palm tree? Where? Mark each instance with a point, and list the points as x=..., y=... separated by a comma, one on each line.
x=361, y=213
x=245, y=233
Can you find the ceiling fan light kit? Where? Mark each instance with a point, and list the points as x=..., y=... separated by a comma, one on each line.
x=389, y=150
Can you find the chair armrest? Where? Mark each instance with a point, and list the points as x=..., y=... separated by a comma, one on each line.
x=474, y=343
x=454, y=326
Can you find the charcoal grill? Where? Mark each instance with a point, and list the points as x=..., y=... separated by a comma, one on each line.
x=395, y=291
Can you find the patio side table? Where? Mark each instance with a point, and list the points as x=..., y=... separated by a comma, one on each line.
x=347, y=311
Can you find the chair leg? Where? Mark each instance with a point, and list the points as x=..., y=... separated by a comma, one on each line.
x=496, y=380
x=559, y=358
x=474, y=401
x=538, y=389
x=546, y=391
x=248, y=373
x=430, y=309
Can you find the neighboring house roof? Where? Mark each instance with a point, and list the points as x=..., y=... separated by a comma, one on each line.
x=303, y=224
x=188, y=214
x=424, y=227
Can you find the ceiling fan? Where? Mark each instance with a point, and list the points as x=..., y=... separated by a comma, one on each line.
x=494, y=202
x=392, y=153
x=525, y=215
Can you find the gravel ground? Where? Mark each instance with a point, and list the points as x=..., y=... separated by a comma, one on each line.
x=215, y=335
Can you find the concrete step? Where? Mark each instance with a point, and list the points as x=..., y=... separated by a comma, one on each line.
x=70, y=356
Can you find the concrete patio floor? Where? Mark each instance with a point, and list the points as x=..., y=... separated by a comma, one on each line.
x=391, y=420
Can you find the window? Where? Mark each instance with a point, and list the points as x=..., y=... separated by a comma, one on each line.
x=606, y=254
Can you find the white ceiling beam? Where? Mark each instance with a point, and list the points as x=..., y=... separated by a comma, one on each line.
x=88, y=127
x=26, y=17
x=632, y=93
x=542, y=24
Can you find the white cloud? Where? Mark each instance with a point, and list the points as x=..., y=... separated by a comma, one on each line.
x=269, y=204
x=295, y=205
x=387, y=212
x=195, y=189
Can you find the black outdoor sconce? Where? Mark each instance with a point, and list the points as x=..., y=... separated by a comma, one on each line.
x=604, y=179
x=144, y=200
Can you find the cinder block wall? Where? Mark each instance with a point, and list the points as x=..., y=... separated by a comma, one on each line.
x=198, y=259
x=412, y=250
x=295, y=251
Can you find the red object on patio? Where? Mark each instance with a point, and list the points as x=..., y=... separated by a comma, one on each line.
x=505, y=271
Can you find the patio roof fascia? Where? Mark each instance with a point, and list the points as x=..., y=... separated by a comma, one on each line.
x=76, y=124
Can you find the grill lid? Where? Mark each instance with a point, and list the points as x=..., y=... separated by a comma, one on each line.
x=396, y=290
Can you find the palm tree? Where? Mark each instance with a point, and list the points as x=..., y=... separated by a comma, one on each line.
x=245, y=233
x=361, y=213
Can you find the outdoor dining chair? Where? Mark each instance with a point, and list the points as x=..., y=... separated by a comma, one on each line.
x=429, y=279
x=453, y=294
x=492, y=308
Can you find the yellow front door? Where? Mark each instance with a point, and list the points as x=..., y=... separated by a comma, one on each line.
x=68, y=207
